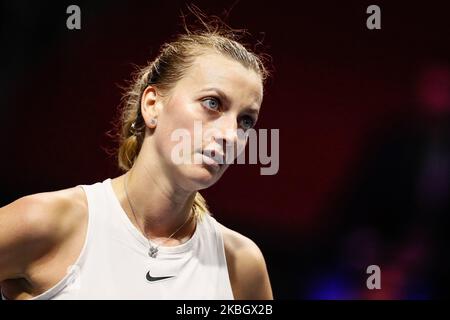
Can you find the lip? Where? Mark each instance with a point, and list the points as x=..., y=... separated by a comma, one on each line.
x=216, y=162
x=210, y=161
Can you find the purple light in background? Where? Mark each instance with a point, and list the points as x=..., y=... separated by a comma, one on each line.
x=331, y=287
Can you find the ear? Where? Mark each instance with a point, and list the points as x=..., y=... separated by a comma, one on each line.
x=149, y=109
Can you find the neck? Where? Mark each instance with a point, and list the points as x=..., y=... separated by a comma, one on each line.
x=159, y=206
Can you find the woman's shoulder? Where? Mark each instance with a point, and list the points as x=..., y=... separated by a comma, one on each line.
x=246, y=266
x=236, y=242
x=48, y=216
x=35, y=226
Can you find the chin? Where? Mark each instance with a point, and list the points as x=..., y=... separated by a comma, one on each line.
x=202, y=176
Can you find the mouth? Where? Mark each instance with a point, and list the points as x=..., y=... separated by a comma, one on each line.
x=213, y=158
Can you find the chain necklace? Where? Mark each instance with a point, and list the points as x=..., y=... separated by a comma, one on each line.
x=153, y=250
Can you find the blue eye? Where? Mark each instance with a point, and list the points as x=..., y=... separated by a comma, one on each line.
x=211, y=103
x=247, y=122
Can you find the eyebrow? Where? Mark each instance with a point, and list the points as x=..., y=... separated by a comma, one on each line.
x=227, y=100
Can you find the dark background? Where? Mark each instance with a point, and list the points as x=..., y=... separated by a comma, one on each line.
x=363, y=118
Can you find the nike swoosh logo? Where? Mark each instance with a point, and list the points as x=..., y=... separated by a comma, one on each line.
x=152, y=279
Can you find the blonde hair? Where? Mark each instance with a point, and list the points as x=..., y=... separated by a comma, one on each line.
x=170, y=65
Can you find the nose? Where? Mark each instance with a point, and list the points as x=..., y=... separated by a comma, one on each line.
x=227, y=134
x=227, y=129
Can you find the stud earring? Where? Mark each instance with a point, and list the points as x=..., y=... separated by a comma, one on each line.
x=153, y=121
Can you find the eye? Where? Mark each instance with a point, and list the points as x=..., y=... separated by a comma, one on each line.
x=247, y=122
x=211, y=103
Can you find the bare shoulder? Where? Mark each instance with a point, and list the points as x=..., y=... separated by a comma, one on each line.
x=32, y=225
x=237, y=243
x=50, y=214
x=246, y=267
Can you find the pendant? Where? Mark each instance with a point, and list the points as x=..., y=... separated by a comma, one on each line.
x=152, y=251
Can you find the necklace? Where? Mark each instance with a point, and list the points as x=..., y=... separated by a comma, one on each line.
x=153, y=250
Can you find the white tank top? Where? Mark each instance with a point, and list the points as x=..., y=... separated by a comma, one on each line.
x=114, y=261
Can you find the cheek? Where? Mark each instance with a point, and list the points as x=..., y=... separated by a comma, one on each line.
x=186, y=115
x=177, y=117
x=179, y=113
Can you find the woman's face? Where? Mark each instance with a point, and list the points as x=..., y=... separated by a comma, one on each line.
x=218, y=95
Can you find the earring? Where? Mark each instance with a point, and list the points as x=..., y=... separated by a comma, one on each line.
x=153, y=121
x=133, y=128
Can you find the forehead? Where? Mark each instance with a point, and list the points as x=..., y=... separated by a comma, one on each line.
x=215, y=70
